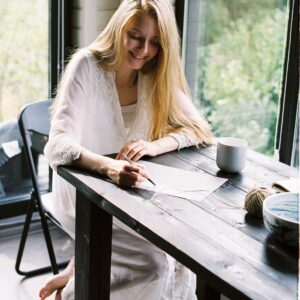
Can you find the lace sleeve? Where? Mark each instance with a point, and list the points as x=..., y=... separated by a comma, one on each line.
x=64, y=145
x=61, y=150
x=187, y=137
x=185, y=140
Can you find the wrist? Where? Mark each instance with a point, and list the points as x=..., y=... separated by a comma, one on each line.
x=94, y=162
x=165, y=144
x=103, y=165
x=156, y=148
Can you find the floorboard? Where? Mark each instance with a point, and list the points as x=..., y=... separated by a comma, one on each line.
x=14, y=286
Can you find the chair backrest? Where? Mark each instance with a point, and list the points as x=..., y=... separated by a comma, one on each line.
x=34, y=125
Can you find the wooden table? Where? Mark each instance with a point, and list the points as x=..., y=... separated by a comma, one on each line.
x=230, y=251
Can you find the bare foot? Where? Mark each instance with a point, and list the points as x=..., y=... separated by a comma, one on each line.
x=57, y=282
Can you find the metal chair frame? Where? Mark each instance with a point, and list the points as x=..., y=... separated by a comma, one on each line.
x=34, y=125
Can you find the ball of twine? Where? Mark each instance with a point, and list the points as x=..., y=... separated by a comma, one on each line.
x=254, y=200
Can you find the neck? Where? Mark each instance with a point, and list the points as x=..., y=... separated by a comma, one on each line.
x=126, y=77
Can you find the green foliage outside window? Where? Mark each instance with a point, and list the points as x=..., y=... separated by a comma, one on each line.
x=240, y=65
x=23, y=54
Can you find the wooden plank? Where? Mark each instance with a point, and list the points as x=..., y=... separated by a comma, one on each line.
x=229, y=272
x=93, y=251
x=253, y=227
x=202, y=163
x=227, y=203
x=228, y=237
x=233, y=215
x=256, y=158
x=252, y=176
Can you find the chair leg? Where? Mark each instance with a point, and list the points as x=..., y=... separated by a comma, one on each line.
x=54, y=266
x=48, y=239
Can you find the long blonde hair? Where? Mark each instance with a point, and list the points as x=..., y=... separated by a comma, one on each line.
x=165, y=75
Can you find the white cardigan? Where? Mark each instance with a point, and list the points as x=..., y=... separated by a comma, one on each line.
x=88, y=116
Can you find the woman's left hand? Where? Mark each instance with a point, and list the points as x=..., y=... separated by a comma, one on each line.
x=137, y=148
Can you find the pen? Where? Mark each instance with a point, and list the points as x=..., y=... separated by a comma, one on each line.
x=133, y=163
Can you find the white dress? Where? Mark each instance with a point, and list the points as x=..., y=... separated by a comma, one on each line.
x=89, y=116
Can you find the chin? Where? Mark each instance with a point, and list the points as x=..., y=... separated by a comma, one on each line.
x=136, y=65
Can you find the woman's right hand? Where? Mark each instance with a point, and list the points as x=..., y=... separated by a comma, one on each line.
x=124, y=174
x=119, y=171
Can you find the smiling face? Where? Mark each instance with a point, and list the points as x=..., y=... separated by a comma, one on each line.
x=141, y=41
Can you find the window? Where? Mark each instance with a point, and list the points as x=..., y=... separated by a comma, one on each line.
x=35, y=42
x=23, y=79
x=23, y=54
x=240, y=59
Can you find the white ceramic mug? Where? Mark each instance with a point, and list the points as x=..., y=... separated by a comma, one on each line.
x=231, y=154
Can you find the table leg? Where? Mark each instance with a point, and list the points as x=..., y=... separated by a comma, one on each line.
x=206, y=292
x=92, y=250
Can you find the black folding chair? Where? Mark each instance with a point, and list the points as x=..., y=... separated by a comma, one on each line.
x=34, y=125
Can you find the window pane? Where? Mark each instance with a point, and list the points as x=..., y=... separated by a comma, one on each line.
x=240, y=57
x=23, y=79
x=23, y=54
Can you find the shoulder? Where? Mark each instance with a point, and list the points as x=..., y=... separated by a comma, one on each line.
x=84, y=64
x=80, y=60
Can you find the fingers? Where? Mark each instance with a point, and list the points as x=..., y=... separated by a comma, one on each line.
x=126, y=174
x=132, y=175
x=131, y=149
x=129, y=179
x=139, y=155
x=137, y=152
x=137, y=169
x=119, y=155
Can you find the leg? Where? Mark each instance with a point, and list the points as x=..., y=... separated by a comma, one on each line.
x=92, y=250
x=58, y=281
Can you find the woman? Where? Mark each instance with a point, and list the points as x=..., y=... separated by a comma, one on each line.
x=126, y=93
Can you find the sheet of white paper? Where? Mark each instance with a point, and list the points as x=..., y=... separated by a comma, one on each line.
x=11, y=148
x=180, y=183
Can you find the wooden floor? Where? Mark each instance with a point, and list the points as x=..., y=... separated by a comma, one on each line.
x=14, y=286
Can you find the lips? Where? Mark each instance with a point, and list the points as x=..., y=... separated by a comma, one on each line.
x=137, y=56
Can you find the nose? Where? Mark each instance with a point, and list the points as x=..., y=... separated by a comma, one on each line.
x=144, y=47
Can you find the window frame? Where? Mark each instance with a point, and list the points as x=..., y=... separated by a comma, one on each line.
x=290, y=89
x=288, y=102
x=60, y=38
x=59, y=47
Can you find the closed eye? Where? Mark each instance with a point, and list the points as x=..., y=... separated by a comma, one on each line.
x=156, y=42
x=135, y=36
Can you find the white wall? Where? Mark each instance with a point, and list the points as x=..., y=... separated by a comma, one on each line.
x=191, y=40
x=89, y=17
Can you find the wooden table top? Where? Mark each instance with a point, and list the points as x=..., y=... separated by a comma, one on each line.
x=215, y=238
